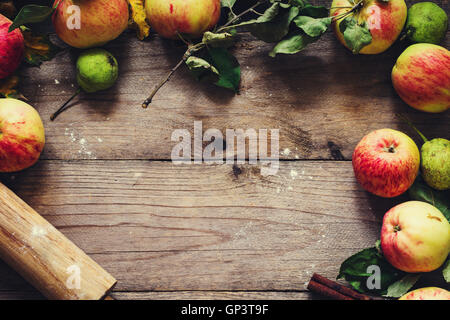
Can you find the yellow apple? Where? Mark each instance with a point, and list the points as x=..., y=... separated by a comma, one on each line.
x=415, y=237
x=421, y=77
x=22, y=135
x=100, y=21
x=429, y=293
x=186, y=17
x=385, y=20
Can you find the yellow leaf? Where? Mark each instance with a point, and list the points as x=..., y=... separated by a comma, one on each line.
x=38, y=47
x=138, y=18
x=8, y=87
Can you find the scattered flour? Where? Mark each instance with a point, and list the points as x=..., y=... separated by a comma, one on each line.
x=83, y=144
x=294, y=174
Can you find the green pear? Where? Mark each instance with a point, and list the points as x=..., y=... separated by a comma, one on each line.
x=426, y=23
x=97, y=69
x=435, y=163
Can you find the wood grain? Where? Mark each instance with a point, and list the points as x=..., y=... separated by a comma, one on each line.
x=158, y=226
x=323, y=100
x=213, y=231
x=43, y=256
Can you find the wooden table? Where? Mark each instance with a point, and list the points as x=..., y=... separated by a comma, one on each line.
x=171, y=231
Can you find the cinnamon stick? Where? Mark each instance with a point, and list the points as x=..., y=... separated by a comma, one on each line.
x=333, y=290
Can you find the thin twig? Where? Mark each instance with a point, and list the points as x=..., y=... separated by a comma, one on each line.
x=186, y=56
x=63, y=107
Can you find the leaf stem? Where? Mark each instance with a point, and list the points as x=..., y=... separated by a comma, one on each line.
x=409, y=123
x=63, y=107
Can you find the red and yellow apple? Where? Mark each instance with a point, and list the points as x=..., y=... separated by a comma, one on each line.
x=415, y=237
x=385, y=20
x=22, y=135
x=429, y=293
x=100, y=21
x=11, y=48
x=421, y=77
x=185, y=17
x=386, y=162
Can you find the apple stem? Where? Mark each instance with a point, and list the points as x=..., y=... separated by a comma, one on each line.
x=63, y=107
x=409, y=123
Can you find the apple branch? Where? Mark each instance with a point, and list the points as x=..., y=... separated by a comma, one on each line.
x=192, y=48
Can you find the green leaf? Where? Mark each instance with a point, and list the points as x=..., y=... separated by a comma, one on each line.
x=228, y=67
x=311, y=26
x=356, y=35
x=223, y=40
x=273, y=25
x=31, y=14
x=292, y=44
x=202, y=70
x=314, y=11
x=446, y=271
x=227, y=3
x=402, y=286
x=420, y=191
x=354, y=270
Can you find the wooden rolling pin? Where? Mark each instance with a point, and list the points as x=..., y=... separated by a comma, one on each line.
x=45, y=257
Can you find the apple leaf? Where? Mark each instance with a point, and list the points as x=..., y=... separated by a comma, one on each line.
x=355, y=271
x=277, y=28
x=31, y=14
x=38, y=48
x=227, y=3
x=402, y=286
x=311, y=26
x=8, y=88
x=446, y=271
x=218, y=40
x=356, y=35
x=292, y=44
x=202, y=70
x=314, y=11
x=228, y=67
x=420, y=191
x=138, y=18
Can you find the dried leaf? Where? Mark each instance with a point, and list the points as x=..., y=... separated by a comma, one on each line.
x=8, y=88
x=138, y=18
x=38, y=48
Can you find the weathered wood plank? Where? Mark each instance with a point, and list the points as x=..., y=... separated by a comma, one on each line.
x=181, y=295
x=159, y=226
x=323, y=100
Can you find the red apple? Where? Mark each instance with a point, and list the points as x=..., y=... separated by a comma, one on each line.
x=430, y=293
x=22, y=135
x=187, y=17
x=385, y=20
x=421, y=77
x=100, y=21
x=415, y=237
x=386, y=162
x=11, y=48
